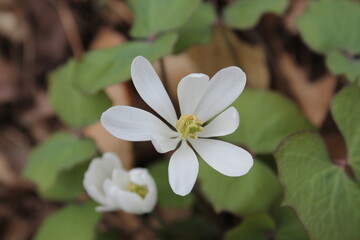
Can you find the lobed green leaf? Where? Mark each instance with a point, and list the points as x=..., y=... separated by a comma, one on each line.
x=254, y=192
x=322, y=194
x=155, y=16
x=51, y=164
x=72, y=222
x=198, y=30
x=244, y=14
x=74, y=107
x=104, y=67
x=346, y=111
x=266, y=118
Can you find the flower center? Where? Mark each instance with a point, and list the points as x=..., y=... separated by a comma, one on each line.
x=189, y=126
x=138, y=189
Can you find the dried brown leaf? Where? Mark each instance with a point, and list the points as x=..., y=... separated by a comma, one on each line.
x=313, y=97
x=225, y=50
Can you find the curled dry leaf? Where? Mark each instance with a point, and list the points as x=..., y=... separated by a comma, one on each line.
x=119, y=95
x=106, y=37
x=226, y=49
x=313, y=97
x=9, y=81
x=12, y=25
x=7, y=174
x=296, y=10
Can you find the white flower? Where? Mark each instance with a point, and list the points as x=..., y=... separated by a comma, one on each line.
x=116, y=189
x=200, y=100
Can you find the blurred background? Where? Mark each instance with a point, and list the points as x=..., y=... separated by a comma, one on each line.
x=63, y=62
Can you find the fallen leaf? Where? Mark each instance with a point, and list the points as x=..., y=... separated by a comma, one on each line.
x=107, y=37
x=7, y=174
x=225, y=50
x=314, y=97
x=296, y=10
x=9, y=81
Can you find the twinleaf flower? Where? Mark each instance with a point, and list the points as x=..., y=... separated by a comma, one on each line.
x=114, y=188
x=202, y=104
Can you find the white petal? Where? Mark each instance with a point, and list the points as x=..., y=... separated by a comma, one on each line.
x=164, y=144
x=183, y=169
x=150, y=201
x=224, y=157
x=224, y=88
x=112, y=161
x=225, y=123
x=99, y=170
x=190, y=91
x=95, y=194
x=139, y=176
x=120, y=178
x=151, y=89
x=134, y=124
x=130, y=202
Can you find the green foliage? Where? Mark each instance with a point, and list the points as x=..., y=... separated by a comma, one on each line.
x=330, y=27
x=57, y=162
x=288, y=225
x=265, y=119
x=339, y=63
x=104, y=67
x=155, y=16
x=74, y=107
x=284, y=225
x=252, y=193
x=194, y=228
x=324, y=197
x=255, y=227
x=166, y=197
x=72, y=222
x=198, y=30
x=68, y=184
x=346, y=111
x=244, y=14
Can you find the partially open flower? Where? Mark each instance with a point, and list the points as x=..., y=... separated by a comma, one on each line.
x=114, y=188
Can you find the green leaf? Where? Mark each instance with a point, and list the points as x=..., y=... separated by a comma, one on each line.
x=244, y=14
x=265, y=119
x=155, y=16
x=61, y=190
x=74, y=107
x=109, y=235
x=194, y=228
x=61, y=152
x=283, y=226
x=346, y=111
x=72, y=222
x=255, y=227
x=288, y=225
x=252, y=193
x=323, y=196
x=331, y=25
x=198, y=30
x=166, y=197
x=105, y=67
x=339, y=64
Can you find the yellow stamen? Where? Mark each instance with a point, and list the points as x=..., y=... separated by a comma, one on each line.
x=189, y=126
x=138, y=189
